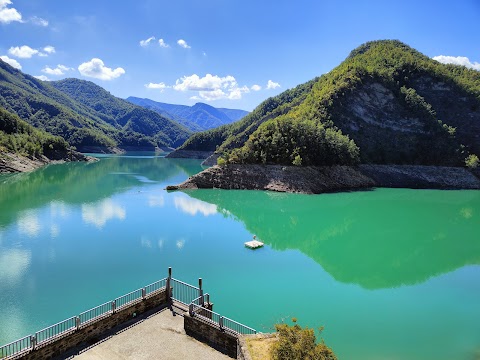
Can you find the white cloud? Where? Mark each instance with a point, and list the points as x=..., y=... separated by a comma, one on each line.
x=49, y=49
x=458, y=60
x=95, y=68
x=256, y=87
x=146, y=42
x=42, y=77
x=23, y=52
x=59, y=70
x=160, y=86
x=12, y=62
x=163, y=44
x=183, y=44
x=7, y=14
x=272, y=85
x=98, y=214
x=39, y=21
x=211, y=87
x=193, y=206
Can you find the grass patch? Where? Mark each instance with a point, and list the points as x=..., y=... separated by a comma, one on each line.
x=259, y=348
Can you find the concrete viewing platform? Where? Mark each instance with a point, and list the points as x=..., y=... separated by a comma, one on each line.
x=160, y=335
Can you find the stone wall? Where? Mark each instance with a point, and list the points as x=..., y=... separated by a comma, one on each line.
x=211, y=334
x=90, y=332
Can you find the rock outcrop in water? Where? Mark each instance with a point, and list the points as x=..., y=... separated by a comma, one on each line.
x=322, y=179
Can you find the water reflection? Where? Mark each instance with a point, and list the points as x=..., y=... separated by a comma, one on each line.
x=192, y=206
x=79, y=183
x=379, y=239
x=156, y=201
x=13, y=265
x=98, y=214
x=28, y=223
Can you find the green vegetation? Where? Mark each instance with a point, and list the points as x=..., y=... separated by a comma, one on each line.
x=472, y=161
x=16, y=136
x=84, y=114
x=287, y=142
x=294, y=342
x=396, y=105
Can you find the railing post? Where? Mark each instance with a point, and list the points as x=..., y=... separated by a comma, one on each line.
x=113, y=306
x=77, y=322
x=200, y=291
x=144, y=293
x=33, y=342
x=190, y=309
x=168, y=286
x=208, y=298
x=220, y=322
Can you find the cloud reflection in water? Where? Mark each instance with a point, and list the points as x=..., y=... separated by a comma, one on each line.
x=193, y=206
x=99, y=213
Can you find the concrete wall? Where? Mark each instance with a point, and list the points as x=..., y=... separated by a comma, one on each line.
x=88, y=333
x=211, y=335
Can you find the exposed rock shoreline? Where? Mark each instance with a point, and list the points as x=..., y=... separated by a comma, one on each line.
x=322, y=179
x=14, y=163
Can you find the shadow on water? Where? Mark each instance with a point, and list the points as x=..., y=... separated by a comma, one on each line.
x=79, y=183
x=379, y=239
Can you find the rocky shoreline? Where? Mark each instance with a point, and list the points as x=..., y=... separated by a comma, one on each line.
x=15, y=163
x=322, y=179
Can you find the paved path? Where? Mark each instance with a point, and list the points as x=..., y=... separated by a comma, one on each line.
x=160, y=336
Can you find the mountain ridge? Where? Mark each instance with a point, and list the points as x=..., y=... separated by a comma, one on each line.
x=198, y=117
x=397, y=105
x=45, y=107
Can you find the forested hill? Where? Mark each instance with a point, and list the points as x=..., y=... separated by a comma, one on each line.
x=386, y=103
x=198, y=117
x=131, y=119
x=45, y=107
x=24, y=147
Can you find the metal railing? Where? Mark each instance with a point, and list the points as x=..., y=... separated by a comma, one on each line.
x=224, y=323
x=127, y=299
x=155, y=286
x=16, y=347
x=55, y=330
x=64, y=327
x=184, y=293
x=181, y=292
x=95, y=313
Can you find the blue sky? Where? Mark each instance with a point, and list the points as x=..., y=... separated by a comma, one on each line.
x=227, y=53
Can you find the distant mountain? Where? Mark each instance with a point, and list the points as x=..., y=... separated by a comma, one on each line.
x=84, y=114
x=385, y=104
x=198, y=117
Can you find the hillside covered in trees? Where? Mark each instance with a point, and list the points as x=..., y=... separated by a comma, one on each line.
x=385, y=104
x=84, y=114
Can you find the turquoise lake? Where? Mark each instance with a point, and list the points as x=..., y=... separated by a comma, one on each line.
x=390, y=273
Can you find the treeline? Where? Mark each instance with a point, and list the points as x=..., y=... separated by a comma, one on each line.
x=17, y=136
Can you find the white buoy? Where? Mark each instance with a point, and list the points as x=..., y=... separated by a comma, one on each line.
x=254, y=244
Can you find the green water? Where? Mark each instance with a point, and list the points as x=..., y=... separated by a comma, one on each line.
x=390, y=273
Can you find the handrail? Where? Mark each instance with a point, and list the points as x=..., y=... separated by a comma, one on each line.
x=187, y=294
x=29, y=342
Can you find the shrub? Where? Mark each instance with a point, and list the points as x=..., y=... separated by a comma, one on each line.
x=294, y=342
x=472, y=161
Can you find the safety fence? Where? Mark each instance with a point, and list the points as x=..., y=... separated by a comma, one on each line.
x=67, y=326
x=177, y=291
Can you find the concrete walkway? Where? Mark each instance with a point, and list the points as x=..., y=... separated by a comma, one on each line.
x=160, y=336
